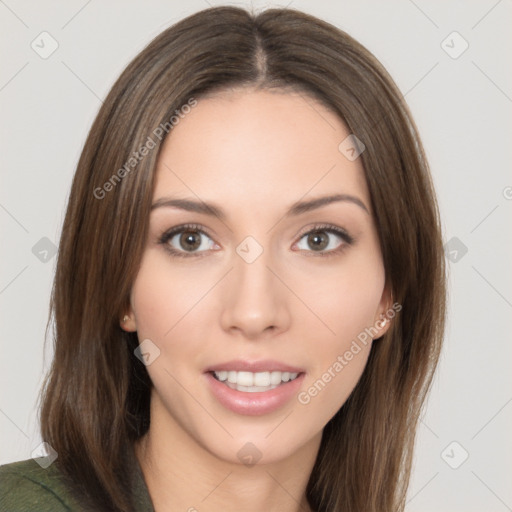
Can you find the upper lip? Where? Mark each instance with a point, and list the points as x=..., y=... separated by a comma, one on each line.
x=263, y=365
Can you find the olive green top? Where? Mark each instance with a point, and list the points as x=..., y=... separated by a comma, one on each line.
x=25, y=486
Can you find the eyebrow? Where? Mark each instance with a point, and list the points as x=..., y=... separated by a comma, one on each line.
x=295, y=209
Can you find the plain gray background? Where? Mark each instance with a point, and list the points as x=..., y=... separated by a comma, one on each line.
x=462, y=103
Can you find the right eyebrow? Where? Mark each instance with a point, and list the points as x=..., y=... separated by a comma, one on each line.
x=190, y=206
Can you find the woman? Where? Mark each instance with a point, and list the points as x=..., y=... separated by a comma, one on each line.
x=250, y=290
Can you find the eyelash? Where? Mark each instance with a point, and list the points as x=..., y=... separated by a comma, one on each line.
x=328, y=228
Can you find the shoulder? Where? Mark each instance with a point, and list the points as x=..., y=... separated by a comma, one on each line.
x=25, y=486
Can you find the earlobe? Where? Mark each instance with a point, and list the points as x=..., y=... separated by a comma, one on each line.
x=383, y=323
x=127, y=323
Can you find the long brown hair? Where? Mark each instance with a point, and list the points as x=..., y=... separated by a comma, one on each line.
x=95, y=402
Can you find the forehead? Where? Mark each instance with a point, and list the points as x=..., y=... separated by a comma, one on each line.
x=258, y=147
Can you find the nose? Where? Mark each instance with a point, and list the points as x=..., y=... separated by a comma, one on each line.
x=254, y=300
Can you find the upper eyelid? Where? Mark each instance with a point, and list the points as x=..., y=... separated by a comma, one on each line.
x=324, y=227
x=179, y=229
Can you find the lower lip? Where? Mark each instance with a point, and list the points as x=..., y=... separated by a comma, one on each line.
x=254, y=404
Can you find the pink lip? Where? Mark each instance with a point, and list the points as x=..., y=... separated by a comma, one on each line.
x=254, y=404
x=264, y=365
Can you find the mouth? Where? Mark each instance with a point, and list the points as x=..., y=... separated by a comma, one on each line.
x=254, y=382
x=254, y=387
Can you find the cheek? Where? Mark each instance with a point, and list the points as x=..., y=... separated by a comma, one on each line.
x=346, y=303
x=326, y=391
x=172, y=308
x=149, y=297
x=344, y=297
x=162, y=296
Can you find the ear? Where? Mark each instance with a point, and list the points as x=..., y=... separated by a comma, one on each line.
x=383, y=318
x=127, y=321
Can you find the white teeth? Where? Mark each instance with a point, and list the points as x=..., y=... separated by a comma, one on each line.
x=222, y=376
x=250, y=389
x=253, y=381
x=245, y=379
x=275, y=378
x=262, y=379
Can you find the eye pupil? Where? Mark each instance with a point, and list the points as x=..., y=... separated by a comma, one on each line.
x=190, y=240
x=318, y=240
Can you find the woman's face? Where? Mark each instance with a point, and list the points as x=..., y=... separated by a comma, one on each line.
x=253, y=307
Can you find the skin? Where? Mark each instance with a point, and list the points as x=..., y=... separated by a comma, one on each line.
x=254, y=153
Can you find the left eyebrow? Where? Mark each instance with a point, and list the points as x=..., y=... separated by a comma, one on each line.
x=295, y=209
x=306, y=206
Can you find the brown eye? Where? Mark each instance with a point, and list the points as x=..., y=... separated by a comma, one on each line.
x=318, y=240
x=186, y=241
x=190, y=240
x=325, y=240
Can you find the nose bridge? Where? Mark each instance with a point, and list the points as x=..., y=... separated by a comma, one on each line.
x=252, y=275
x=254, y=301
